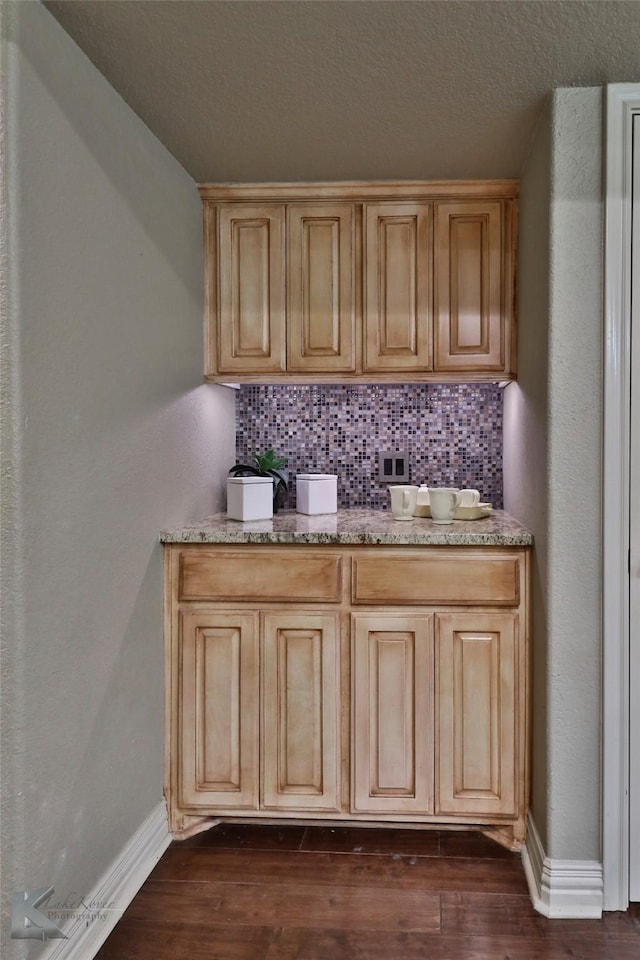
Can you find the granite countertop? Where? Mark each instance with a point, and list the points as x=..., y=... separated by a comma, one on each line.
x=359, y=526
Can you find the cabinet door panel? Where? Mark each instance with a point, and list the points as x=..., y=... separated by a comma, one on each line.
x=477, y=673
x=320, y=288
x=219, y=710
x=301, y=694
x=392, y=714
x=472, y=301
x=251, y=305
x=398, y=265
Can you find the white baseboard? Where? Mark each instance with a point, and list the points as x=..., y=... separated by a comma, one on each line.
x=118, y=886
x=568, y=889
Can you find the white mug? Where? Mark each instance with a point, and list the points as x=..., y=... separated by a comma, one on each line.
x=403, y=501
x=469, y=498
x=443, y=501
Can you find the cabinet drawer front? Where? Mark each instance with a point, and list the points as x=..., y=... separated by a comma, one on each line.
x=254, y=575
x=446, y=581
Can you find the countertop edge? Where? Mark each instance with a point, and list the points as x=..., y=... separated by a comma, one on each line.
x=461, y=539
x=349, y=528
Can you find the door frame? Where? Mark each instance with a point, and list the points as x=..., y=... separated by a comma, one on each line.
x=634, y=535
x=622, y=103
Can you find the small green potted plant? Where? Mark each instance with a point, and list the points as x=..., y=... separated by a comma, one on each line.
x=265, y=467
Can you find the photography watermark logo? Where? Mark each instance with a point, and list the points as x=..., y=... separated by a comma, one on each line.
x=28, y=922
x=34, y=915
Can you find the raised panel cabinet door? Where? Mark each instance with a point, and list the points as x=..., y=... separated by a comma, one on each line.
x=392, y=714
x=321, y=308
x=251, y=286
x=300, y=711
x=218, y=710
x=473, y=286
x=477, y=703
x=397, y=289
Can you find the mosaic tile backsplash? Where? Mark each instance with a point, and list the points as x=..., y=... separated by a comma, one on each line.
x=452, y=433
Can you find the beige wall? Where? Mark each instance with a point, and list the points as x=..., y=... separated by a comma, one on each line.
x=553, y=462
x=526, y=428
x=575, y=460
x=109, y=435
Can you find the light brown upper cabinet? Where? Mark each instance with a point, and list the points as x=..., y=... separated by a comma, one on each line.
x=321, y=308
x=250, y=289
x=360, y=282
x=398, y=282
x=473, y=292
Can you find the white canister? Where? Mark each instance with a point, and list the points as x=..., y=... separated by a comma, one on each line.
x=316, y=493
x=249, y=498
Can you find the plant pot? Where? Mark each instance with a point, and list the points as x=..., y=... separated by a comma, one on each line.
x=249, y=498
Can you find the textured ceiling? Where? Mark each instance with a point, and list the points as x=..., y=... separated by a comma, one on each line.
x=312, y=90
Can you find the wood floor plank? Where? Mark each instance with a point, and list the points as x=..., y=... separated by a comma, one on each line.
x=481, y=914
x=238, y=904
x=254, y=836
x=433, y=874
x=471, y=843
x=372, y=840
x=139, y=940
x=362, y=945
x=259, y=892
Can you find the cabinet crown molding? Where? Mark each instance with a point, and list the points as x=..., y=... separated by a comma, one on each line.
x=361, y=190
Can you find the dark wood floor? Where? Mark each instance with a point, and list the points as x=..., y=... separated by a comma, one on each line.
x=320, y=893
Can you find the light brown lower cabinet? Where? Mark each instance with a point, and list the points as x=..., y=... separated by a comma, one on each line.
x=476, y=694
x=300, y=711
x=218, y=710
x=392, y=762
x=221, y=730
x=387, y=699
